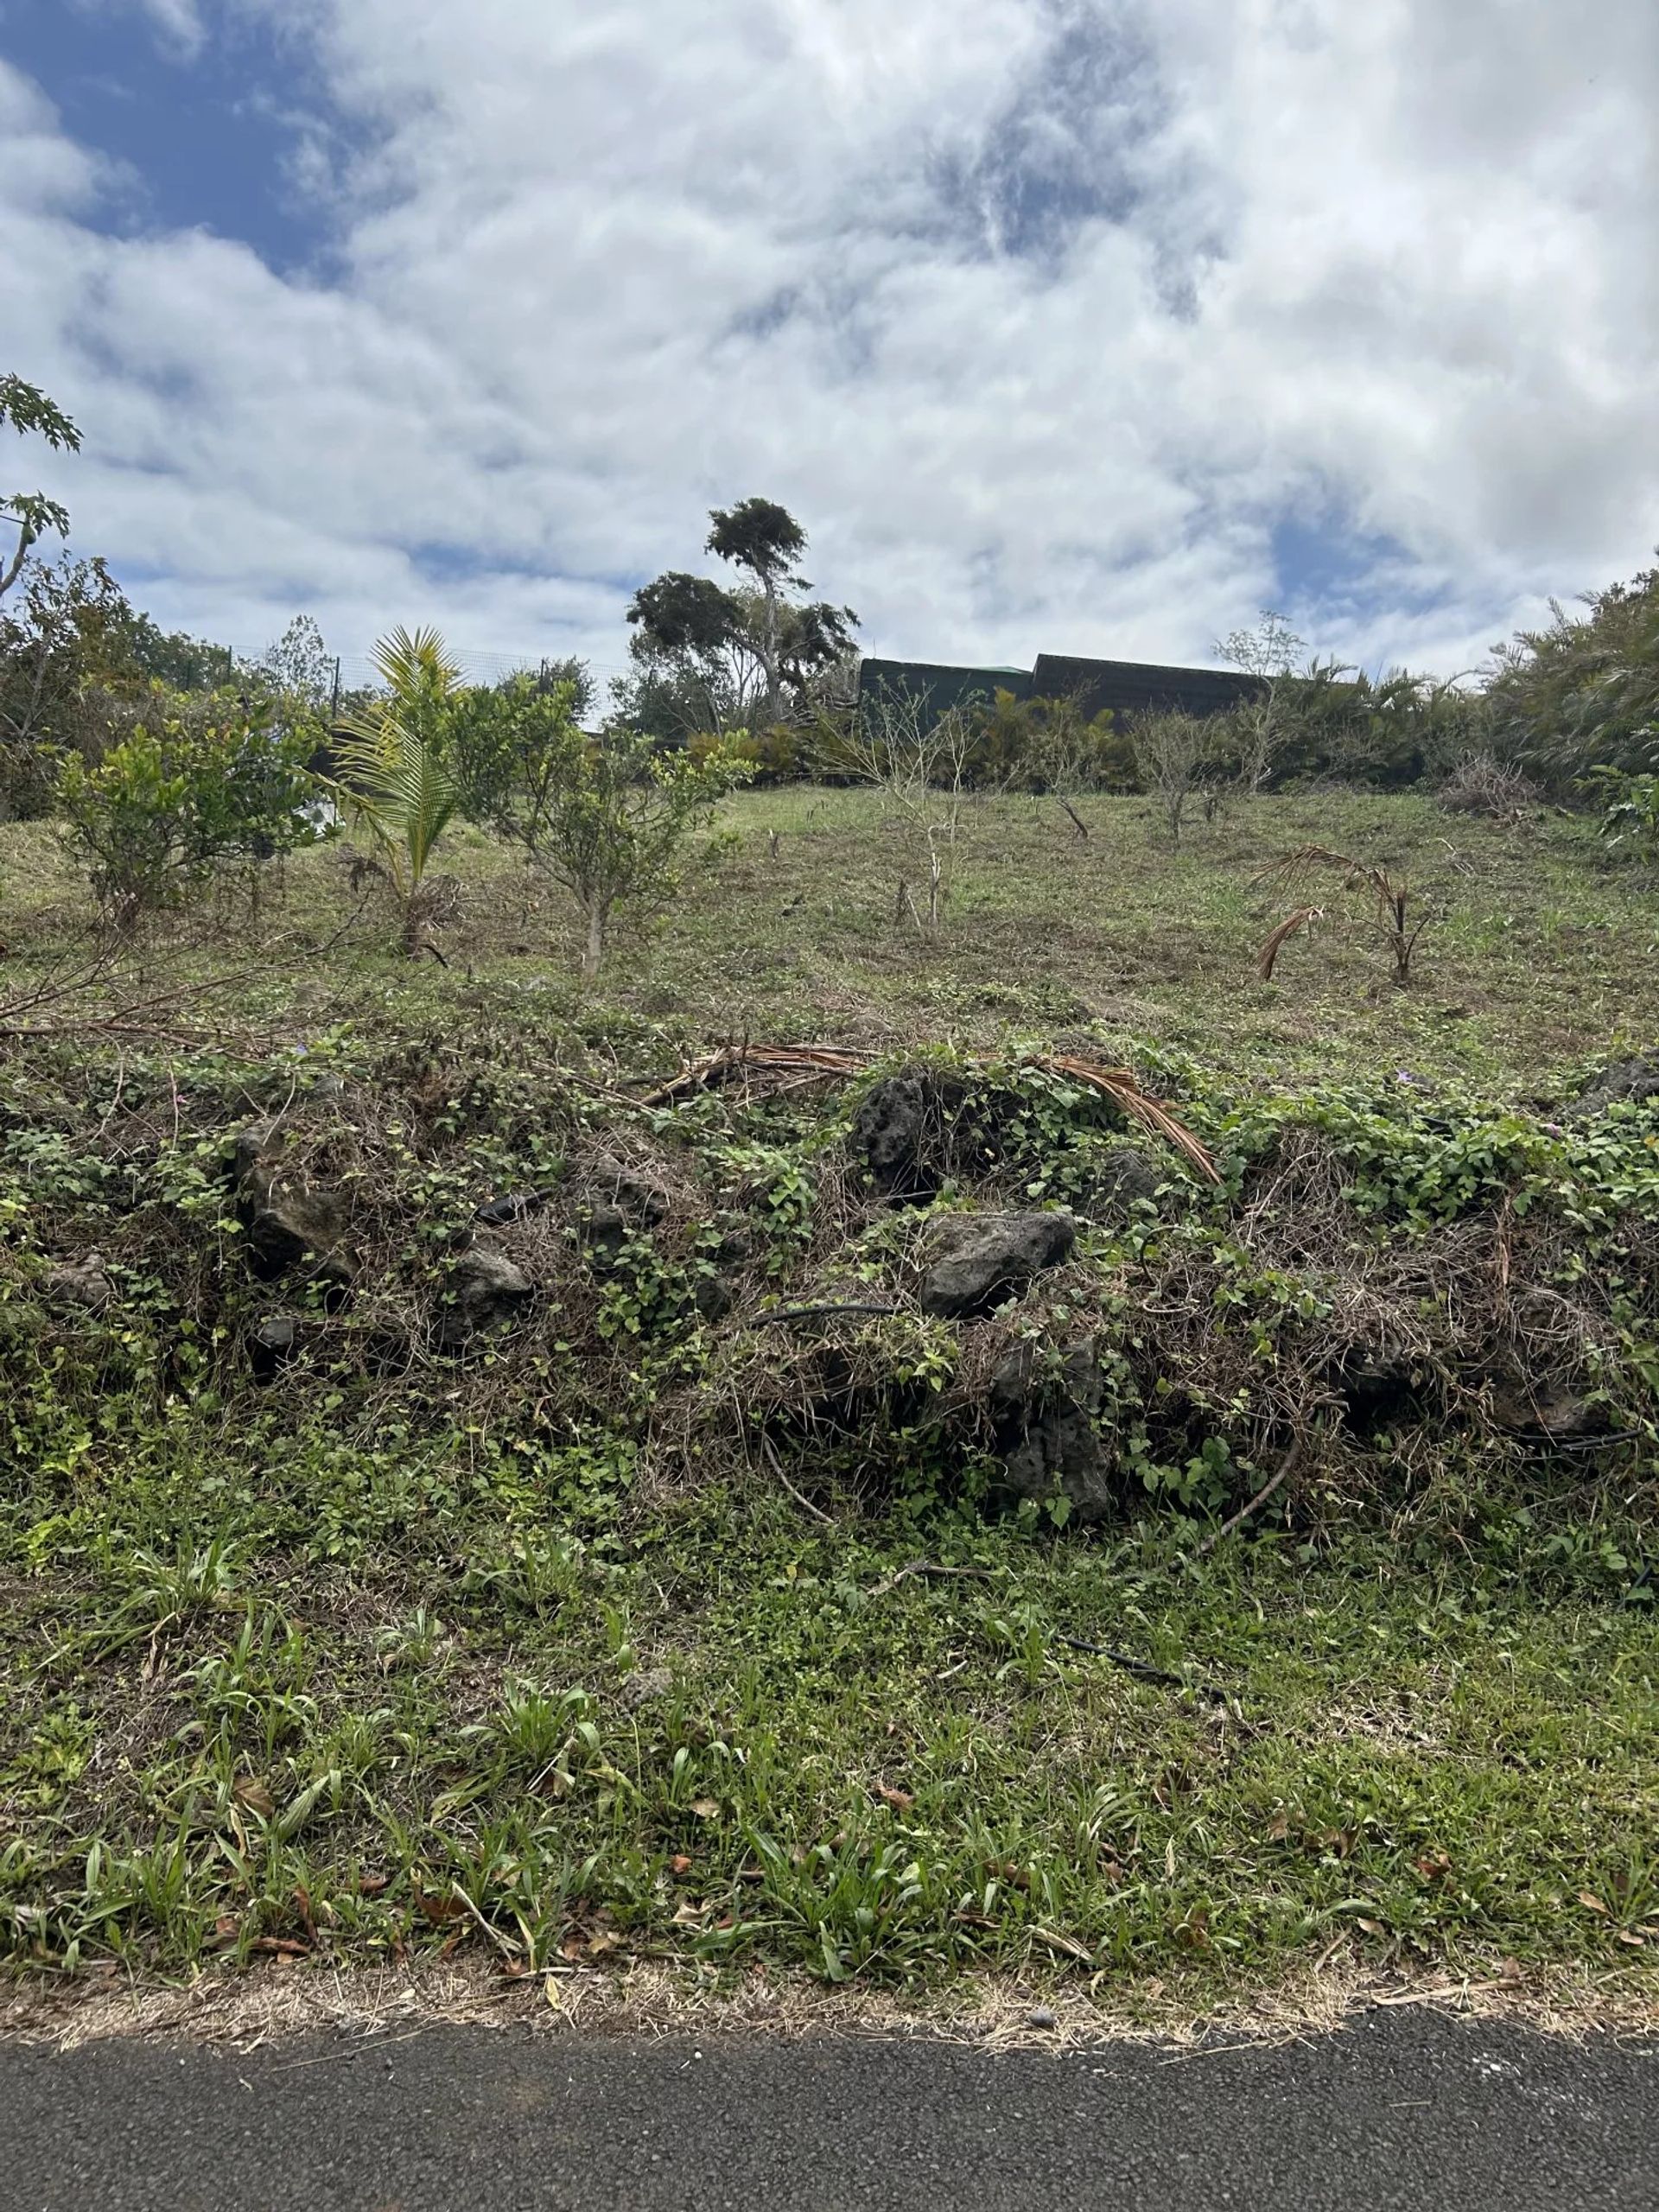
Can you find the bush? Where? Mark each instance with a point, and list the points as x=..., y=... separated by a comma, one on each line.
x=194, y=792
x=1484, y=784
x=1630, y=810
x=1583, y=692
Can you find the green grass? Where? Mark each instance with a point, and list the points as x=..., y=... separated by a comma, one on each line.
x=213, y=1752
x=379, y=1663
x=1545, y=948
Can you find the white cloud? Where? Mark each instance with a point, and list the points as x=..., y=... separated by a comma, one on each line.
x=1041, y=313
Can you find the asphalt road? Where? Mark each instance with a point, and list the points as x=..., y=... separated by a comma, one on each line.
x=1403, y=2109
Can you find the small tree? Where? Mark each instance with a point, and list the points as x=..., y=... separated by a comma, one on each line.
x=31, y=413
x=1258, y=724
x=922, y=763
x=200, y=788
x=1172, y=751
x=395, y=785
x=298, y=667
x=606, y=818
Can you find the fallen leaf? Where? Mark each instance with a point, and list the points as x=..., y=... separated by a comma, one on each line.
x=679, y=1864
x=1278, y=1828
x=1434, y=1866
x=254, y=1795
x=706, y=1809
x=370, y=1886
x=689, y=1914
x=225, y=1931
x=1629, y=1935
x=1065, y=1944
x=1592, y=1903
x=900, y=1800
x=550, y=1991
x=603, y=1941
x=280, y=1947
x=438, y=1910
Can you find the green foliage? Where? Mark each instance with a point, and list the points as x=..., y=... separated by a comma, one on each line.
x=606, y=818
x=1046, y=745
x=393, y=781
x=708, y=658
x=1629, y=808
x=197, y=788
x=31, y=414
x=67, y=666
x=1584, y=692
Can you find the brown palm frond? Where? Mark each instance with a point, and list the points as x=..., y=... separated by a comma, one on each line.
x=802, y=1061
x=799, y=1064
x=1121, y=1087
x=1297, y=919
x=1290, y=867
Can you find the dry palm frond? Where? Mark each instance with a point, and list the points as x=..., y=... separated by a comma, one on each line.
x=1121, y=1087
x=807, y=1062
x=797, y=1063
x=1290, y=868
x=1281, y=936
x=1390, y=892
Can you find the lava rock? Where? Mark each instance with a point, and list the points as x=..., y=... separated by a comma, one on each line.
x=487, y=1288
x=642, y=1202
x=1123, y=1178
x=1624, y=1082
x=887, y=1136
x=288, y=1222
x=624, y=1206
x=1543, y=1409
x=1046, y=1428
x=272, y=1344
x=80, y=1282
x=980, y=1259
x=714, y=1297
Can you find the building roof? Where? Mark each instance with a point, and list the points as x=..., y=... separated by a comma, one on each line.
x=938, y=684
x=1135, y=687
x=1126, y=687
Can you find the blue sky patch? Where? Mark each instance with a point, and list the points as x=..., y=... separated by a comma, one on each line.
x=212, y=140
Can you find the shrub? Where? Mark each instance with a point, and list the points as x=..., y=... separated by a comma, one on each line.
x=1585, y=691
x=605, y=816
x=187, y=797
x=1484, y=785
x=1630, y=810
x=1171, y=751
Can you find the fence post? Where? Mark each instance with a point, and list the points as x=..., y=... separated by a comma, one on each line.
x=333, y=703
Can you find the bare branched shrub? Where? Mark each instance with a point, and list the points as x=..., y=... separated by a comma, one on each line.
x=1172, y=751
x=1484, y=785
x=922, y=764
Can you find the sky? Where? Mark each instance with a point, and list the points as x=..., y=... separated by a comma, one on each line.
x=1065, y=326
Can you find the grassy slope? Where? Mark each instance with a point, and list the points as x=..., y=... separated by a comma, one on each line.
x=257, y=1686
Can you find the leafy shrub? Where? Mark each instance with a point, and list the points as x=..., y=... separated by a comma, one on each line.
x=1630, y=810
x=1048, y=744
x=1585, y=691
x=196, y=789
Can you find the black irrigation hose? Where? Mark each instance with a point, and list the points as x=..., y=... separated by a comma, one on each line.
x=1140, y=1670
x=807, y=1312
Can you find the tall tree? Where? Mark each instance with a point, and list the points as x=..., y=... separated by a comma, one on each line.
x=718, y=658
x=31, y=413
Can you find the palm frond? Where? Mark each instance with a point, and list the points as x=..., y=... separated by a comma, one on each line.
x=416, y=663
x=1281, y=936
